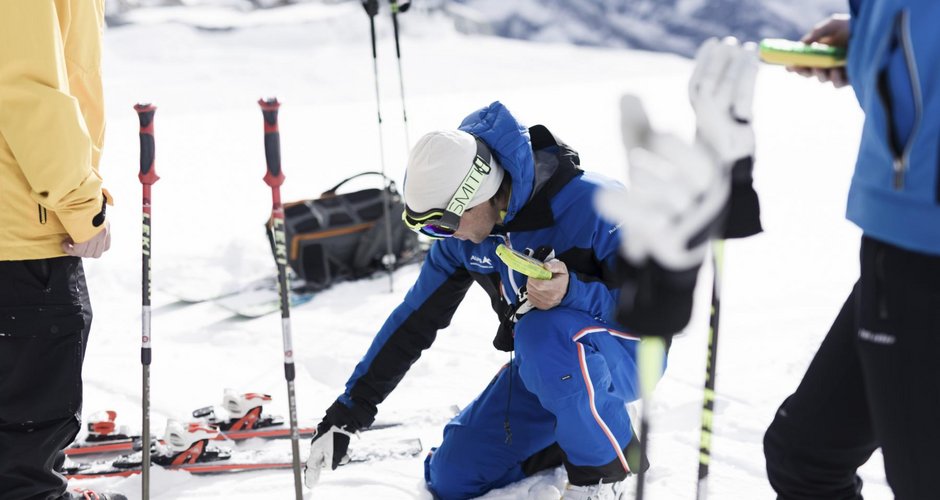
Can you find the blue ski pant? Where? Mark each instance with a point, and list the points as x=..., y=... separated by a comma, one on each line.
x=563, y=400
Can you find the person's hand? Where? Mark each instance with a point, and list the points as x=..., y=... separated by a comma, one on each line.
x=546, y=294
x=330, y=445
x=329, y=448
x=93, y=248
x=833, y=30
x=721, y=91
x=677, y=192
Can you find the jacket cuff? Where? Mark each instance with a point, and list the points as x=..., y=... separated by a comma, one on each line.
x=87, y=220
x=355, y=417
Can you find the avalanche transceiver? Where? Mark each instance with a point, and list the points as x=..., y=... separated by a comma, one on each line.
x=522, y=263
x=810, y=55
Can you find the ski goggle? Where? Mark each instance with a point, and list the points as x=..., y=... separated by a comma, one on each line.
x=440, y=223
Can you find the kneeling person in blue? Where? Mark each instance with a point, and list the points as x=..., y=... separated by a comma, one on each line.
x=563, y=399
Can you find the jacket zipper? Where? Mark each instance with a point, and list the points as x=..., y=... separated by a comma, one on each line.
x=43, y=215
x=901, y=156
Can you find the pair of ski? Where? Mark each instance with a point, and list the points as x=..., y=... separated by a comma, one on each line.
x=113, y=441
x=187, y=446
x=202, y=458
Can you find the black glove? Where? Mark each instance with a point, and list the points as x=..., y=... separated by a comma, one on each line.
x=654, y=300
x=743, y=205
x=330, y=445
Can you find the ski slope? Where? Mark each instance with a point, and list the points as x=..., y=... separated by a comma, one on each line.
x=782, y=288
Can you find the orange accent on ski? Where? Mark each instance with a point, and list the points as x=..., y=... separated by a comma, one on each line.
x=102, y=448
x=249, y=420
x=197, y=426
x=123, y=473
x=191, y=455
x=104, y=427
x=255, y=395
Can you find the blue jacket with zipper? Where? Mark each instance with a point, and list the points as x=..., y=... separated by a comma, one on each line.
x=894, y=68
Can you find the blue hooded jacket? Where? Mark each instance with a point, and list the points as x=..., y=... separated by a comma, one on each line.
x=551, y=204
x=894, y=68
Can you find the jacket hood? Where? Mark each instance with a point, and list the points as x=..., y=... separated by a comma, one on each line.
x=509, y=141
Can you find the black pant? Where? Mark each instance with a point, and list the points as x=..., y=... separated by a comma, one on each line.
x=44, y=322
x=875, y=382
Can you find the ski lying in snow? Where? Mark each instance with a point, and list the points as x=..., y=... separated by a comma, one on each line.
x=245, y=420
x=201, y=458
x=204, y=289
x=250, y=300
x=260, y=301
x=124, y=444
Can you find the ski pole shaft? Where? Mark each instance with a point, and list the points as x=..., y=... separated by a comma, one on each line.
x=274, y=178
x=401, y=79
x=708, y=403
x=148, y=176
x=652, y=351
x=372, y=8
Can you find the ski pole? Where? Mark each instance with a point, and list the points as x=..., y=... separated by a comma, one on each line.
x=708, y=404
x=275, y=178
x=396, y=9
x=372, y=8
x=148, y=176
x=652, y=351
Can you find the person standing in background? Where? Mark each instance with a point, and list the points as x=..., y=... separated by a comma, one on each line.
x=52, y=214
x=875, y=381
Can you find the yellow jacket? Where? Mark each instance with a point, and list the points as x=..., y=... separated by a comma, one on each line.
x=51, y=124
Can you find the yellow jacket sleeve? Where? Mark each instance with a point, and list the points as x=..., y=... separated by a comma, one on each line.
x=51, y=106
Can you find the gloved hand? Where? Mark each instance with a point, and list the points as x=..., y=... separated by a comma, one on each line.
x=330, y=445
x=677, y=192
x=721, y=91
x=681, y=195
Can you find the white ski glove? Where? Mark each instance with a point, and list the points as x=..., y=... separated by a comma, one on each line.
x=721, y=91
x=682, y=195
x=677, y=191
x=328, y=449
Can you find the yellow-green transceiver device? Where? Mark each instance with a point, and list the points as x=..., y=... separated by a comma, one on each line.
x=522, y=263
x=809, y=55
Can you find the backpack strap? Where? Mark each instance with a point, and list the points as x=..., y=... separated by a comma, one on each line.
x=332, y=190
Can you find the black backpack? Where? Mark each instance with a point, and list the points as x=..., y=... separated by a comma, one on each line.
x=338, y=237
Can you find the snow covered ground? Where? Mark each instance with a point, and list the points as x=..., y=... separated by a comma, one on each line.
x=782, y=288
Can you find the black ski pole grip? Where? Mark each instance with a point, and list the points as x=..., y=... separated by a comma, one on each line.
x=395, y=10
x=148, y=171
x=371, y=6
x=272, y=141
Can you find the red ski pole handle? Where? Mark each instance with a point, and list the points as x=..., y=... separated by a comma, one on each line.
x=272, y=142
x=148, y=172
